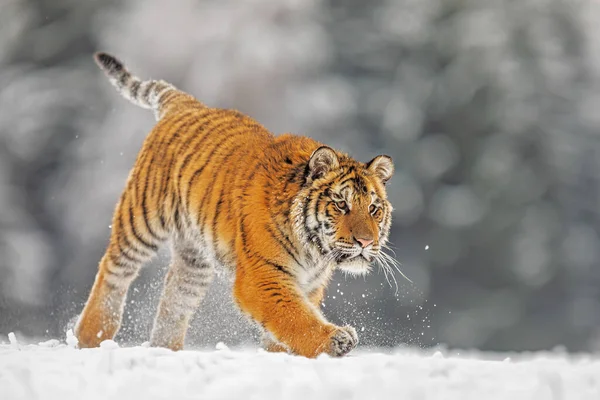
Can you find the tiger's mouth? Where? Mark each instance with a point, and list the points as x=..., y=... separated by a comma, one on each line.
x=358, y=254
x=356, y=264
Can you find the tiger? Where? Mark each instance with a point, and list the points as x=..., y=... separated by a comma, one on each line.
x=280, y=213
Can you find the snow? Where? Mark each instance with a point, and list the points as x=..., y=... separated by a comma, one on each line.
x=54, y=370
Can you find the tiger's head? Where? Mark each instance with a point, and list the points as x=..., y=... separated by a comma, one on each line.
x=342, y=212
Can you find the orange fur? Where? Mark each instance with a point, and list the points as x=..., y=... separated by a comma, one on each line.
x=227, y=193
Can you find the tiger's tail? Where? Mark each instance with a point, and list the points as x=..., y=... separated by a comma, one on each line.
x=151, y=94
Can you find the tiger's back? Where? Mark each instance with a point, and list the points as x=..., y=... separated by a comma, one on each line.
x=187, y=183
x=188, y=157
x=226, y=192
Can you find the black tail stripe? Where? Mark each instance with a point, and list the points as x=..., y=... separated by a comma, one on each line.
x=123, y=78
x=133, y=91
x=149, y=87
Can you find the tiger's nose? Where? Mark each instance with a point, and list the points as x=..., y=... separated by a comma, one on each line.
x=364, y=242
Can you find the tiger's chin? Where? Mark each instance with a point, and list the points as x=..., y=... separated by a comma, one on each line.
x=357, y=266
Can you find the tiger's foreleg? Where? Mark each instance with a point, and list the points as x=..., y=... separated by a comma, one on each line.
x=271, y=297
x=273, y=346
x=131, y=245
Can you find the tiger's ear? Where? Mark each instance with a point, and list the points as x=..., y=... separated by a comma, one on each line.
x=382, y=166
x=321, y=162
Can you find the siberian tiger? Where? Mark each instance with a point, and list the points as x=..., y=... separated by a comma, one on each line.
x=281, y=212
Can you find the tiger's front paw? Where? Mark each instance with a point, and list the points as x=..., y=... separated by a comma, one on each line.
x=342, y=341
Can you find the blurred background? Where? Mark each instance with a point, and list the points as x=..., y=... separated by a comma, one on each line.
x=490, y=109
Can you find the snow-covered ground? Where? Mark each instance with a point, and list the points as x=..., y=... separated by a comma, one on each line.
x=54, y=370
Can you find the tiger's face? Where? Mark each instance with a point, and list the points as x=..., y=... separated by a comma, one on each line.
x=346, y=214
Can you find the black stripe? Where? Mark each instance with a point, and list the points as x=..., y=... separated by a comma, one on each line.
x=317, y=274
x=328, y=213
x=242, y=199
x=214, y=130
x=133, y=90
x=316, y=210
x=137, y=235
x=147, y=90
x=146, y=219
x=145, y=195
x=261, y=285
x=189, y=291
x=129, y=273
x=308, y=208
x=167, y=97
x=206, y=129
x=121, y=271
x=186, y=121
x=193, y=258
x=122, y=236
x=191, y=154
x=267, y=262
x=220, y=200
x=162, y=100
x=347, y=180
x=280, y=268
x=287, y=239
x=176, y=218
x=183, y=122
x=283, y=245
x=305, y=210
x=153, y=194
x=123, y=77
x=139, y=164
x=116, y=260
x=212, y=153
x=110, y=285
x=129, y=257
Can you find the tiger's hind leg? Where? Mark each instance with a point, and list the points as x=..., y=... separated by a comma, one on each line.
x=132, y=243
x=187, y=281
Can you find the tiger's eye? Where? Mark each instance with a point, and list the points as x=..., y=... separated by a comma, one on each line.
x=342, y=205
x=372, y=208
x=378, y=213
